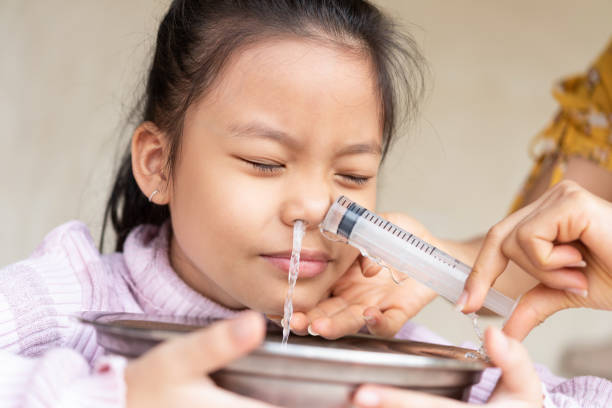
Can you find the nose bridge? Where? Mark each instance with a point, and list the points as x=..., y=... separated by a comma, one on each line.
x=307, y=199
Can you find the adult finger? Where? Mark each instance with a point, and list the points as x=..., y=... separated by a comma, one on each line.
x=373, y=396
x=544, y=230
x=347, y=321
x=534, y=307
x=489, y=264
x=209, y=349
x=384, y=324
x=519, y=380
x=560, y=277
x=298, y=324
x=325, y=308
x=369, y=268
x=493, y=257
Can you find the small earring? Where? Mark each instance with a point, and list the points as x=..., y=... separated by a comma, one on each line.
x=152, y=194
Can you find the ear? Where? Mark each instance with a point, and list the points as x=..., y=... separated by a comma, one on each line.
x=149, y=156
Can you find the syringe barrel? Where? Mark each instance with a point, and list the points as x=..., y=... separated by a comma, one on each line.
x=399, y=249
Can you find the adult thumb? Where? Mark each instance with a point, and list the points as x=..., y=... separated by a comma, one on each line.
x=369, y=267
x=211, y=348
x=519, y=380
x=533, y=308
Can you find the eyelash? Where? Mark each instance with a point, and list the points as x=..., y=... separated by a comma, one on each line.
x=263, y=167
x=358, y=180
x=269, y=169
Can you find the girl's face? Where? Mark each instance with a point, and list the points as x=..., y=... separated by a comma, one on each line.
x=289, y=126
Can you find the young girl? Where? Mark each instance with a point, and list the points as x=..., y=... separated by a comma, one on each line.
x=257, y=113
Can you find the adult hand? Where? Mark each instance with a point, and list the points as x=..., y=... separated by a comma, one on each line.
x=365, y=297
x=518, y=387
x=173, y=374
x=563, y=239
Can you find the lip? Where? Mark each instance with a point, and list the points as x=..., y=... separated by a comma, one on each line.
x=312, y=262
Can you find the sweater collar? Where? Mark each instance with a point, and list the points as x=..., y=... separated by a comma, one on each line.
x=156, y=286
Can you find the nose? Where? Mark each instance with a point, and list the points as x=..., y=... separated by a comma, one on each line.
x=306, y=201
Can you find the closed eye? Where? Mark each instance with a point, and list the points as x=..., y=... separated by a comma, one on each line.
x=264, y=168
x=357, y=180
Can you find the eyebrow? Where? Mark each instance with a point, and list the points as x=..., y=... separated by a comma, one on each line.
x=259, y=130
x=262, y=131
x=359, y=148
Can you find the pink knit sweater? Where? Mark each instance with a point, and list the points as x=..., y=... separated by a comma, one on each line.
x=49, y=359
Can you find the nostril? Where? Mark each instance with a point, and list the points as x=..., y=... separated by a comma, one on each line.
x=300, y=224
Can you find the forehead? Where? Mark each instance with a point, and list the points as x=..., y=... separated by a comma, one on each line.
x=299, y=85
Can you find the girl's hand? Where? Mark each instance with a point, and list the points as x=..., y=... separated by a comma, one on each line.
x=563, y=239
x=363, y=296
x=519, y=385
x=173, y=374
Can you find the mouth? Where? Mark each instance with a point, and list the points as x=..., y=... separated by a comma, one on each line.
x=312, y=263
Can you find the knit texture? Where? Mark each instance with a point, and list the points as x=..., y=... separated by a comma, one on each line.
x=49, y=359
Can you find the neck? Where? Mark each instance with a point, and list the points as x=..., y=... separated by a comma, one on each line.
x=196, y=279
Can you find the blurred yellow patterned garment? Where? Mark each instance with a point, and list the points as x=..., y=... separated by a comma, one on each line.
x=583, y=126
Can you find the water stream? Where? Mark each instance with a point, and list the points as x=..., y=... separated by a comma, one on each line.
x=294, y=269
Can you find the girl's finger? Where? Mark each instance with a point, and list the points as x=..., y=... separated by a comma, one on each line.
x=274, y=318
x=373, y=396
x=207, y=350
x=519, y=380
x=222, y=399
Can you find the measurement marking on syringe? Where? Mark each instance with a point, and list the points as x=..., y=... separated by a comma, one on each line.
x=418, y=258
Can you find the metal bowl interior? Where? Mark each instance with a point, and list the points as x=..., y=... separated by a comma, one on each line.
x=309, y=371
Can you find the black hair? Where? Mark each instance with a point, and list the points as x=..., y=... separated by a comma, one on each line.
x=195, y=40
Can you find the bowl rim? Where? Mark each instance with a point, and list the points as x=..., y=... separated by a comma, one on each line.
x=106, y=322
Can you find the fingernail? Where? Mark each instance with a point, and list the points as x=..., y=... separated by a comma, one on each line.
x=370, y=320
x=580, y=264
x=460, y=305
x=367, y=398
x=311, y=331
x=580, y=292
x=242, y=327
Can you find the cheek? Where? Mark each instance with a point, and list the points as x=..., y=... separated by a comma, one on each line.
x=309, y=293
x=212, y=196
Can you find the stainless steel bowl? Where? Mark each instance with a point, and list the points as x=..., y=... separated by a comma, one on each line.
x=309, y=371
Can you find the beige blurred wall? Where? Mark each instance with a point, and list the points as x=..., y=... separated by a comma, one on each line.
x=69, y=72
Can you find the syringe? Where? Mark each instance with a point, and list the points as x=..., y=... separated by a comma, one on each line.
x=396, y=248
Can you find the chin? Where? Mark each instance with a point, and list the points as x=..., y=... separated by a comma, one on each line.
x=303, y=301
x=305, y=305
